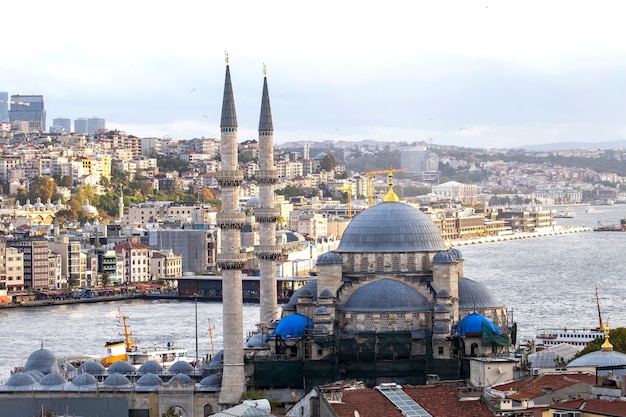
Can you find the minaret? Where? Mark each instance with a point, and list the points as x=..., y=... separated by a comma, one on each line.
x=266, y=214
x=120, y=205
x=230, y=221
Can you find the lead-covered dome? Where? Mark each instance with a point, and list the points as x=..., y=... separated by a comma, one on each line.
x=473, y=295
x=385, y=295
x=391, y=227
x=42, y=360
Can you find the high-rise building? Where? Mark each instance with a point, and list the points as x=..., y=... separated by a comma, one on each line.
x=420, y=161
x=94, y=124
x=81, y=125
x=61, y=125
x=30, y=111
x=4, y=106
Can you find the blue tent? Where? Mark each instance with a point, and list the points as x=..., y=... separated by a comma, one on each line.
x=473, y=323
x=293, y=325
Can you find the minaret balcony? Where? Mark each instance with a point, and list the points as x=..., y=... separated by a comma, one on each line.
x=230, y=220
x=229, y=178
x=267, y=214
x=267, y=176
x=291, y=247
x=272, y=253
x=232, y=260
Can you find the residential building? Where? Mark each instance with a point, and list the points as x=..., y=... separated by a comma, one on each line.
x=13, y=278
x=35, y=250
x=165, y=264
x=135, y=261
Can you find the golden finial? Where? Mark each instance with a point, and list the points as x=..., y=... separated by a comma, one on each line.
x=391, y=197
x=264, y=70
x=226, y=52
x=606, y=345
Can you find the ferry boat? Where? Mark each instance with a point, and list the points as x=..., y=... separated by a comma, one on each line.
x=579, y=338
x=568, y=213
x=127, y=350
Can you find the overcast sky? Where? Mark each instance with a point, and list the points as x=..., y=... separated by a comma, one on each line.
x=470, y=73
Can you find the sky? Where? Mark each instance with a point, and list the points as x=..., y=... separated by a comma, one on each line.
x=467, y=73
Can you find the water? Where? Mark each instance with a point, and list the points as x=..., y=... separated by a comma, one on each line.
x=547, y=282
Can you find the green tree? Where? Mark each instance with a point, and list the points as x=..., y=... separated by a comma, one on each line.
x=617, y=337
x=172, y=412
x=328, y=163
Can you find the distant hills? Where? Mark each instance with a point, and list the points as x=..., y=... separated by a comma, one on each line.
x=618, y=144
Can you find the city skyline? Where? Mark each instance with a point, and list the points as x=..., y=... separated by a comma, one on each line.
x=453, y=73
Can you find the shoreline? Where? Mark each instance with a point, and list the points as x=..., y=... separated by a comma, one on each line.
x=555, y=231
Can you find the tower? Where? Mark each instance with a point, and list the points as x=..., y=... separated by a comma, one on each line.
x=266, y=214
x=230, y=220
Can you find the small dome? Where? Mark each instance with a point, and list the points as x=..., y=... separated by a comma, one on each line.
x=211, y=381
x=445, y=257
x=293, y=325
x=386, y=295
x=92, y=367
x=473, y=295
x=440, y=308
x=20, y=379
x=38, y=375
x=181, y=367
x=149, y=379
x=326, y=294
x=122, y=367
x=329, y=258
x=150, y=367
x=441, y=328
x=85, y=379
x=457, y=253
x=254, y=342
x=473, y=323
x=182, y=379
x=42, y=360
x=89, y=209
x=310, y=287
x=289, y=307
x=52, y=379
x=305, y=293
x=116, y=380
x=322, y=310
x=253, y=202
x=391, y=227
x=443, y=294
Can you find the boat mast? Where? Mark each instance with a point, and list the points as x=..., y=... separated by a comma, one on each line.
x=127, y=333
x=599, y=314
x=211, y=328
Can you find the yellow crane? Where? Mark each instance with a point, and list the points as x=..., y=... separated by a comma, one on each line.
x=347, y=189
x=370, y=181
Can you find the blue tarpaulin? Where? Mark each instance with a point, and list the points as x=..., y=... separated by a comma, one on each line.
x=293, y=325
x=473, y=323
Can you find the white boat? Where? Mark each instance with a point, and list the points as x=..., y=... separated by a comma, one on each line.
x=579, y=338
x=568, y=213
x=590, y=210
x=127, y=350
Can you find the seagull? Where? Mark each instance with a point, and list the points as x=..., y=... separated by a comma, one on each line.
x=193, y=89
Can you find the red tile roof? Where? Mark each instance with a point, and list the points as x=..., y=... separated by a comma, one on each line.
x=437, y=400
x=533, y=387
x=613, y=408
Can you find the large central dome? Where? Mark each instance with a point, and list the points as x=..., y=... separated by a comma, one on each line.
x=391, y=227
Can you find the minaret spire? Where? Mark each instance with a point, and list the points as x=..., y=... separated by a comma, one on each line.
x=266, y=214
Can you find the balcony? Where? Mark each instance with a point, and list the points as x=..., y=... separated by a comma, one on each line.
x=232, y=260
x=272, y=253
x=267, y=214
x=230, y=220
x=267, y=176
x=229, y=178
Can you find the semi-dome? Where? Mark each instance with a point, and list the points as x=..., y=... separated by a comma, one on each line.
x=329, y=258
x=391, y=227
x=474, y=295
x=386, y=295
x=42, y=360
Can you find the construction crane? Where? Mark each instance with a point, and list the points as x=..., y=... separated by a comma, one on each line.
x=370, y=182
x=21, y=103
x=348, y=189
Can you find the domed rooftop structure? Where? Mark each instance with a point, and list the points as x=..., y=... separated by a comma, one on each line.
x=473, y=323
x=85, y=379
x=149, y=380
x=310, y=288
x=89, y=209
x=122, y=367
x=606, y=356
x=474, y=295
x=42, y=360
x=38, y=375
x=92, y=367
x=293, y=325
x=180, y=367
x=386, y=295
x=150, y=367
x=116, y=380
x=253, y=202
x=211, y=381
x=446, y=257
x=52, y=379
x=329, y=258
x=391, y=227
x=182, y=379
x=254, y=342
x=20, y=379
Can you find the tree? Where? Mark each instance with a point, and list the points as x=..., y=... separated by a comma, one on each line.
x=206, y=195
x=328, y=163
x=617, y=337
x=43, y=188
x=172, y=412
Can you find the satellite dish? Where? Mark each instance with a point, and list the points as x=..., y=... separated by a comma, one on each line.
x=356, y=414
